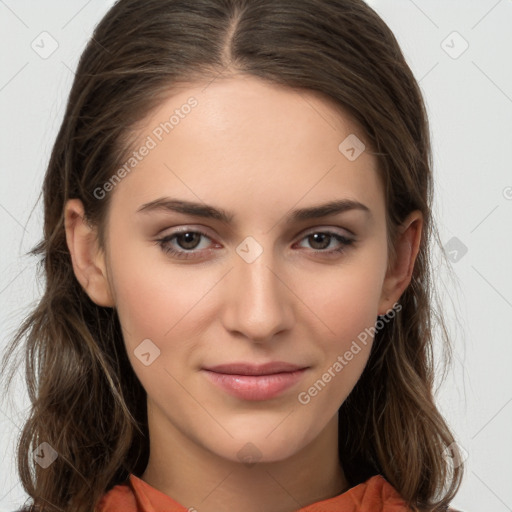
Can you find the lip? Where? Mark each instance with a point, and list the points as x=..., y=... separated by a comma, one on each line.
x=255, y=382
x=255, y=369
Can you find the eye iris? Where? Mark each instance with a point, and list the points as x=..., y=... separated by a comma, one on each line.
x=189, y=239
x=320, y=238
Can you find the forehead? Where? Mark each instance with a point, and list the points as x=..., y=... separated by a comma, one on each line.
x=249, y=144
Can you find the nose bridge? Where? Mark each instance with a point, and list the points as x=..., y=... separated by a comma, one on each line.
x=260, y=303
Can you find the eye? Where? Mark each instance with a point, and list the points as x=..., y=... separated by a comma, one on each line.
x=186, y=239
x=185, y=244
x=321, y=240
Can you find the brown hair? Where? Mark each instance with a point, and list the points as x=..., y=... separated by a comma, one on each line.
x=86, y=401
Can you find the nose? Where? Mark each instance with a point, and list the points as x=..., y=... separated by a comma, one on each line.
x=259, y=301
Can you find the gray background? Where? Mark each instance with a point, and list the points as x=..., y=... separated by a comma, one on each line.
x=468, y=92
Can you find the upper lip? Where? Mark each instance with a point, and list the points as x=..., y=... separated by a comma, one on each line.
x=255, y=369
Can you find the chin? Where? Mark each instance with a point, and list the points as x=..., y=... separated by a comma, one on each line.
x=258, y=445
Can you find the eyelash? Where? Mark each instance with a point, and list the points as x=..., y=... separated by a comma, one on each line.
x=162, y=242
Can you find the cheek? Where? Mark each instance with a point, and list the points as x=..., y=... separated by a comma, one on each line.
x=154, y=300
x=156, y=304
x=345, y=302
x=349, y=315
x=345, y=299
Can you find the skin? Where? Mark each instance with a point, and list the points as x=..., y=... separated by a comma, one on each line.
x=257, y=150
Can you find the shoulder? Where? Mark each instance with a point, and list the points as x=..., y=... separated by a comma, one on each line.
x=378, y=484
x=119, y=497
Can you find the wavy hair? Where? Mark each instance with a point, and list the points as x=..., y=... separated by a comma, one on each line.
x=86, y=401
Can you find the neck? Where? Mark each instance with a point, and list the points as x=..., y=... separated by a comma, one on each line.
x=199, y=479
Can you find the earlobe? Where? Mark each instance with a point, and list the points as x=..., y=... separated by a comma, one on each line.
x=88, y=260
x=399, y=274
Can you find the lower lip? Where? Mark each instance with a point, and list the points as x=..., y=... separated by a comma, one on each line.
x=255, y=387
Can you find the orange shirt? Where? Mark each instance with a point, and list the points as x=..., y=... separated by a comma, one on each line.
x=374, y=495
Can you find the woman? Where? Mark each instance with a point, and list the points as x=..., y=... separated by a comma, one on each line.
x=238, y=307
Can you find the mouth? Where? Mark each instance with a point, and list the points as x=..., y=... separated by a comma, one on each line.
x=255, y=382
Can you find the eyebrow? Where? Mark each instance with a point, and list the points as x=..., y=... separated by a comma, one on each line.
x=211, y=212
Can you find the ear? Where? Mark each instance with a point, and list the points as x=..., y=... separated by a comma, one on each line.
x=400, y=270
x=87, y=259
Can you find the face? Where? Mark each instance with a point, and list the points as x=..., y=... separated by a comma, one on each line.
x=268, y=284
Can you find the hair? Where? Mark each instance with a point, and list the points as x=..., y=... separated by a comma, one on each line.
x=86, y=400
